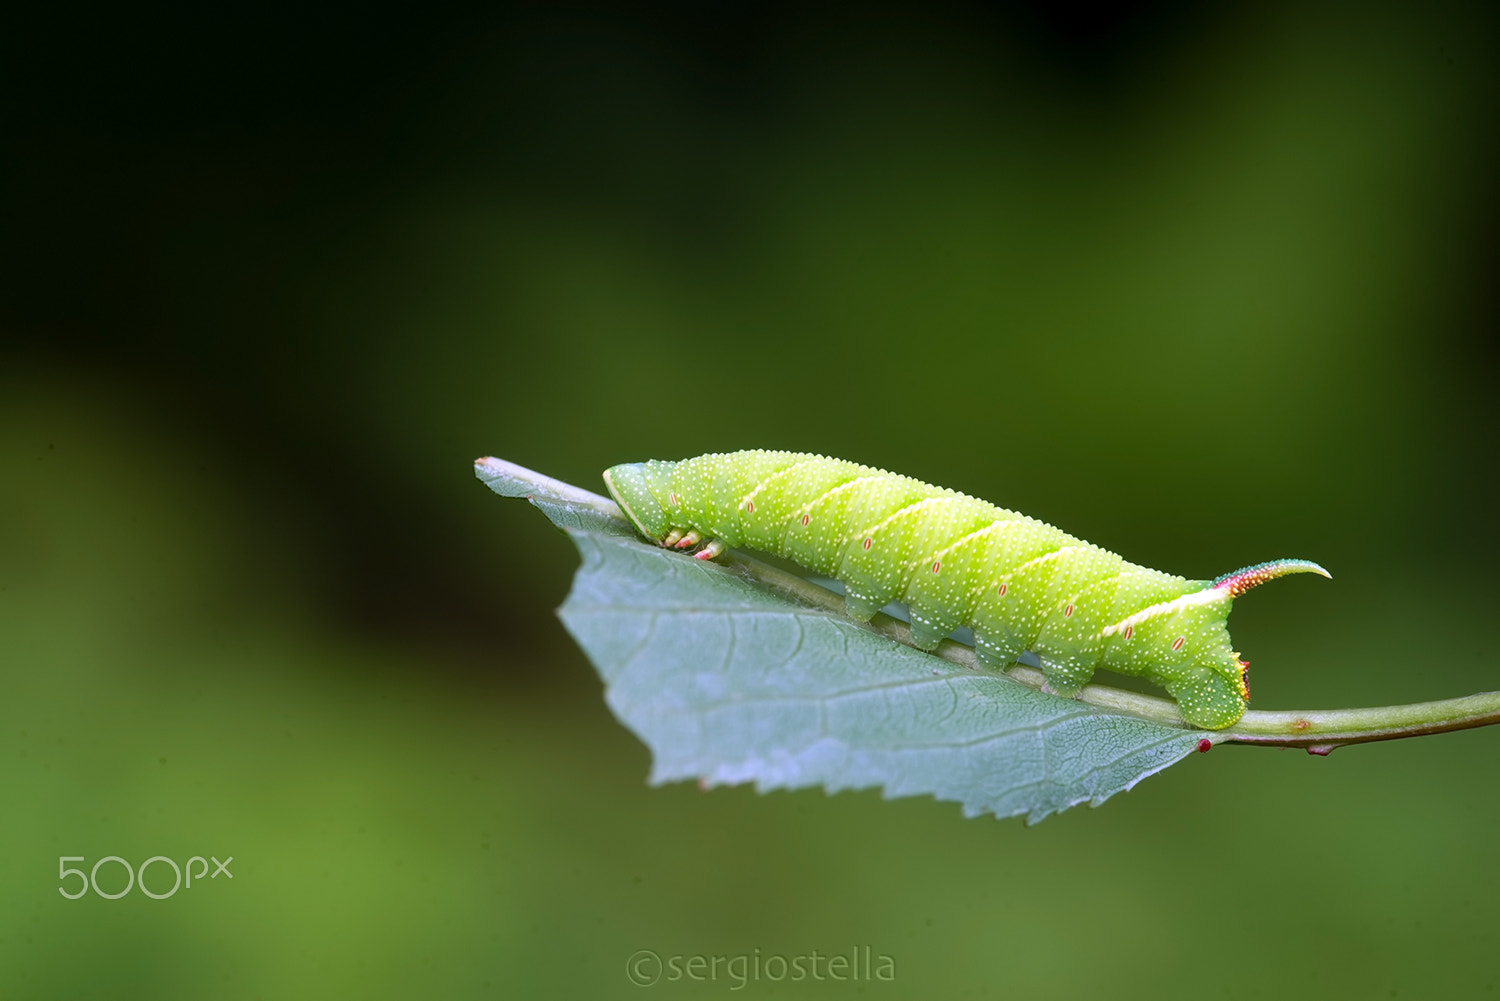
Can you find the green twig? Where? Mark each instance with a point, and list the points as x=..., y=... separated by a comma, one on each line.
x=1318, y=730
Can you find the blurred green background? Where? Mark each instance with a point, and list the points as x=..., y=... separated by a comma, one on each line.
x=1207, y=288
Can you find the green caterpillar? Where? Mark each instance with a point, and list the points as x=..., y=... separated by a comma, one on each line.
x=956, y=561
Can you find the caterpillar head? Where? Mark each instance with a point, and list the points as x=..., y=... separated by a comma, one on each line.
x=630, y=485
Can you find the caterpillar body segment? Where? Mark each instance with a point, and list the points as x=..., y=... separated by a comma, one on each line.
x=1020, y=584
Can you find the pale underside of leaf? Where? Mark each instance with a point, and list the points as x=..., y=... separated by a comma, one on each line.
x=727, y=682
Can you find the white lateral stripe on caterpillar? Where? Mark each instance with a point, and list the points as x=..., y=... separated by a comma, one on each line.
x=908, y=509
x=1038, y=560
x=788, y=471
x=1206, y=596
x=962, y=541
x=846, y=485
x=1018, y=523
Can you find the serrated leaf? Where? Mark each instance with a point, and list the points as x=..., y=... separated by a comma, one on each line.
x=728, y=681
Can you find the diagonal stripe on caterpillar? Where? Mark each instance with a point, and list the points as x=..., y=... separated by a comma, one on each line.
x=1019, y=583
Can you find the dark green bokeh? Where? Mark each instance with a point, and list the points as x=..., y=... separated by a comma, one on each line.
x=1206, y=290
